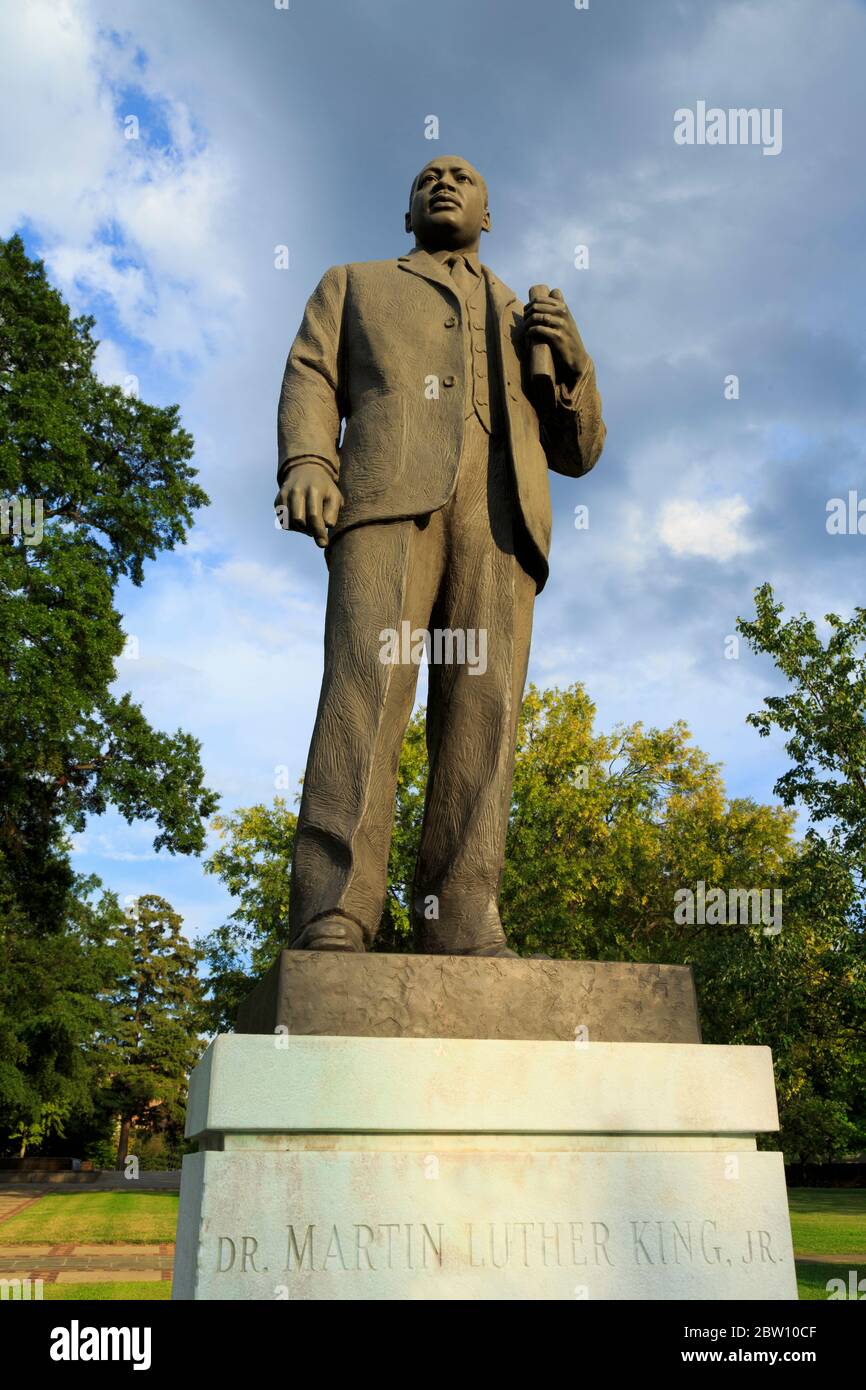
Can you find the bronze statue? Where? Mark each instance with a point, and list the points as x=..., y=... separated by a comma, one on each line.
x=434, y=512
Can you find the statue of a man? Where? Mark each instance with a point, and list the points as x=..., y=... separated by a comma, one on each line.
x=434, y=512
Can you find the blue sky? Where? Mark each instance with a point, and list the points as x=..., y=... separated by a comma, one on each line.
x=260, y=127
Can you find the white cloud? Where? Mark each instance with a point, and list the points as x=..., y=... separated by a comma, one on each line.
x=112, y=362
x=56, y=118
x=712, y=530
x=137, y=222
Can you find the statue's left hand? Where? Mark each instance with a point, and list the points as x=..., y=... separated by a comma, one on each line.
x=549, y=321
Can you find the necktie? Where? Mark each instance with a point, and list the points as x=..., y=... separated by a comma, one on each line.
x=463, y=277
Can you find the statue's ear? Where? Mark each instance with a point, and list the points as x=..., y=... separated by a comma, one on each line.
x=408, y=221
x=486, y=223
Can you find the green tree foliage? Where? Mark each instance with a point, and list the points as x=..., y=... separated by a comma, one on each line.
x=35, y=1133
x=151, y=1044
x=253, y=861
x=113, y=479
x=53, y=1004
x=824, y=714
x=93, y=483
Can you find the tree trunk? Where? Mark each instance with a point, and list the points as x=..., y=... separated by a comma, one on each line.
x=123, y=1142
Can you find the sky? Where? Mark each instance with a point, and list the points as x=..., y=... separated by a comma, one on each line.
x=156, y=154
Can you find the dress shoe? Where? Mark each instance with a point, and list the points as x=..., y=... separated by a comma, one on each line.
x=330, y=934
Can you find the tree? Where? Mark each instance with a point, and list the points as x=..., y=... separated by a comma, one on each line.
x=253, y=861
x=93, y=484
x=53, y=1005
x=152, y=1044
x=824, y=714
x=50, y=1122
x=110, y=476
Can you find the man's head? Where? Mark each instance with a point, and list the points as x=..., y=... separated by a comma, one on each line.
x=448, y=205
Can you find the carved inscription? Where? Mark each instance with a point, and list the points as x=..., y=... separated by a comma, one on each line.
x=315, y=1246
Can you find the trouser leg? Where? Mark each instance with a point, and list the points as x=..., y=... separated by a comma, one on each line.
x=472, y=713
x=381, y=575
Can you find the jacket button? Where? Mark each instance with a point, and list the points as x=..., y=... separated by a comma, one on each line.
x=448, y=380
x=450, y=322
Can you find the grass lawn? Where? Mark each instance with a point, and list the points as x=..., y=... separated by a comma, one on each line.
x=812, y=1279
x=56, y=1293
x=94, y=1218
x=828, y=1220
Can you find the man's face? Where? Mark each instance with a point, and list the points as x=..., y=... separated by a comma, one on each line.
x=449, y=206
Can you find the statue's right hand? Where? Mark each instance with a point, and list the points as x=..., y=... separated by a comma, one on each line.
x=309, y=500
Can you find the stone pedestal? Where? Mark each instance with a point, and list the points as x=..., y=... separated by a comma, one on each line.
x=385, y=996
x=380, y=1167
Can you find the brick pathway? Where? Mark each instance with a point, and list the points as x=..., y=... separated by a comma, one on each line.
x=12, y=1203
x=83, y=1263
x=88, y=1264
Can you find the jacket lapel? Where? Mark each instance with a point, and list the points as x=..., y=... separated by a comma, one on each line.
x=500, y=294
x=420, y=263
x=504, y=302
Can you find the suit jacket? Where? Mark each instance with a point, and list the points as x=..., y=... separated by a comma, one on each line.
x=373, y=335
